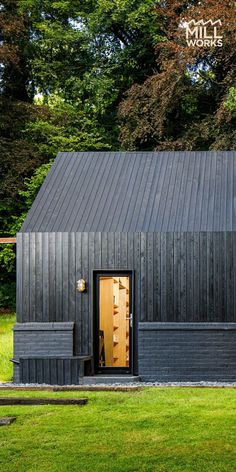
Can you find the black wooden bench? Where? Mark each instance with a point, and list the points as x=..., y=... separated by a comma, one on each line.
x=55, y=370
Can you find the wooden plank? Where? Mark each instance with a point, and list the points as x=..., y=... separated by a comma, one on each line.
x=7, y=420
x=39, y=371
x=109, y=207
x=98, y=251
x=209, y=302
x=8, y=240
x=163, y=278
x=204, y=271
x=216, y=223
x=131, y=197
x=94, y=180
x=217, y=276
x=122, y=202
x=212, y=195
x=170, y=276
x=38, y=277
x=176, y=198
x=145, y=192
x=65, y=277
x=187, y=209
x=170, y=194
x=53, y=371
x=71, y=220
x=143, y=278
x=137, y=275
x=60, y=371
x=47, y=371
x=165, y=189
x=130, y=249
x=230, y=276
x=234, y=272
x=230, y=190
x=32, y=276
x=123, y=250
x=52, y=277
x=19, y=277
x=59, y=284
x=193, y=203
x=117, y=251
x=101, y=209
x=158, y=200
x=84, y=296
x=67, y=371
x=104, y=251
x=182, y=194
x=42, y=401
x=32, y=371
x=221, y=279
x=78, y=296
x=71, y=277
x=110, y=250
x=25, y=278
x=183, y=277
x=150, y=213
x=91, y=265
x=205, y=192
x=196, y=271
x=189, y=276
x=177, y=274
x=128, y=183
x=45, y=275
x=150, y=277
x=157, y=277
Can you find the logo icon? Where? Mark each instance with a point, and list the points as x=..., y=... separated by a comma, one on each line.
x=203, y=33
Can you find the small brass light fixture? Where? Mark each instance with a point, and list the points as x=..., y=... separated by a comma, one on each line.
x=81, y=285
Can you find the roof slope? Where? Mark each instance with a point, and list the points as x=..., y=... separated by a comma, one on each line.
x=137, y=191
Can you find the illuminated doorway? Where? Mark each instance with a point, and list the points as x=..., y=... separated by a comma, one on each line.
x=114, y=322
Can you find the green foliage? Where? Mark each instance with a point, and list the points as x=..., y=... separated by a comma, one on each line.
x=152, y=430
x=66, y=127
x=8, y=295
x=7, y=257
x=77, y=75
x=230, y=102
x=33, y=184
x=6, y=346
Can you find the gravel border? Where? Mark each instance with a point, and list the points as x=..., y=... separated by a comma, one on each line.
x=202, y=384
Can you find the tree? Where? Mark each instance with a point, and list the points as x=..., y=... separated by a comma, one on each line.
x=184, y=106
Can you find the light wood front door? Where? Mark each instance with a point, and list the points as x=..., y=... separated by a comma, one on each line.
x=114, y=322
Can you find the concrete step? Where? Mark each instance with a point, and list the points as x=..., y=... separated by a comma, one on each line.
x=110, y=379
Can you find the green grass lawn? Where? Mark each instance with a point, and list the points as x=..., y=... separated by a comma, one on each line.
x=6, y=346
x=156, y=429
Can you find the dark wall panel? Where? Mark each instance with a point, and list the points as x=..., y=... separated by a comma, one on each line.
x=179, y=277
x=51, y=370
x=187, y=352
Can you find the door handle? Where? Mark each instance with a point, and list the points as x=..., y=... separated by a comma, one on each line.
x=130, y=318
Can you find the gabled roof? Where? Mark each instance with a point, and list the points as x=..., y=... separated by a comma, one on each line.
x=137, y=192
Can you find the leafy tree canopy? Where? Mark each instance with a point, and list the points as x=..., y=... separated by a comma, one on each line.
x=189, y=102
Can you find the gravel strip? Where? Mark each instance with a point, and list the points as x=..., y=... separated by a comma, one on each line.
x=134, y=384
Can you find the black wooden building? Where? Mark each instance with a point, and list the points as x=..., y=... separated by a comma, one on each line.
x=153, y=237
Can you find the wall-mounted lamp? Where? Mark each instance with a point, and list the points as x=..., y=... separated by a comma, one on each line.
x=81, y=285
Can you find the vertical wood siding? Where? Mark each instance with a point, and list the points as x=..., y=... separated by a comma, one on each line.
x=179, y=277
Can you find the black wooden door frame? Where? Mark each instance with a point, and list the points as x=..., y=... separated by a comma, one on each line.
x=95, y=311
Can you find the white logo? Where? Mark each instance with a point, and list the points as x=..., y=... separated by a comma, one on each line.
x=203, y=33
